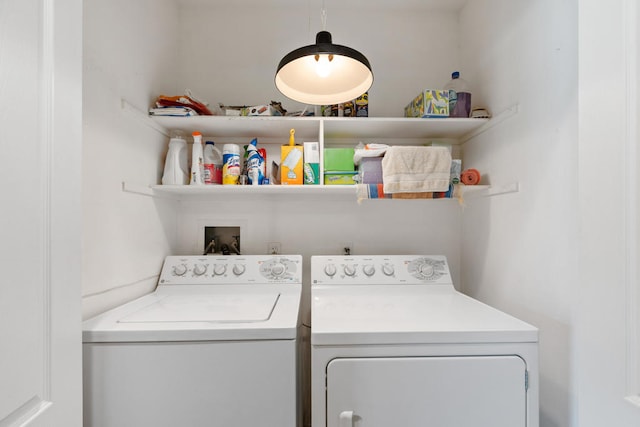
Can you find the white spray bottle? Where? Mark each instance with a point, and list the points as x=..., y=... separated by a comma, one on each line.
x=197, y=160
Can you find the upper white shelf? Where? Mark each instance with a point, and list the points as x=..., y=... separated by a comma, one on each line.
x=333, y=127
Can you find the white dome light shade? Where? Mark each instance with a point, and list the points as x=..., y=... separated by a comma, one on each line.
x=324, y=73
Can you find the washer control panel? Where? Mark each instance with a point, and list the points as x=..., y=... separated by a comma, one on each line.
x=380, y=269
x=244, y=269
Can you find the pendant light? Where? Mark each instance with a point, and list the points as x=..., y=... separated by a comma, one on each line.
x=324, y=73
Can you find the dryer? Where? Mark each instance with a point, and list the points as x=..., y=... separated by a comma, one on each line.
x=394, y=344
x=215, y=344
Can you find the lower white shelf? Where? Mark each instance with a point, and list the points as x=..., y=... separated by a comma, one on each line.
x=207, y=192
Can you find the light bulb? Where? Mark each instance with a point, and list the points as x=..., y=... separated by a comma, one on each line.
x=323, y=65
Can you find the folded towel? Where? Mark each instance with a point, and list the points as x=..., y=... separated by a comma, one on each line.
x=416, y=169
x=376, y=191
x=370, y=191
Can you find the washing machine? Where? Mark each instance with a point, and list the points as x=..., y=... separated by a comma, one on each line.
x=214, y=345
x=394, y=344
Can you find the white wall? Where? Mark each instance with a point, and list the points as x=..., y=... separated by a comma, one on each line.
x=519, y=251
x=125, y=235
x=229, y=53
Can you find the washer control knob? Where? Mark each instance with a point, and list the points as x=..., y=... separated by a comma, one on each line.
x=180, y=269
x=219, y=269
x=199, y=269
x=350, y=270
x=369, y=270
x=426, y=270
x=239, y=269
x=387, y=269
x=278, y=269
x=330, y=270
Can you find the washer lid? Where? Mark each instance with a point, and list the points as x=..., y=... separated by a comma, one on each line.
x=207, y=308
x=202, y=313
x=407, y=314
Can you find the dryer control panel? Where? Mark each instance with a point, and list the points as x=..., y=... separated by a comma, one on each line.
x=242, y=269
x=380, y=270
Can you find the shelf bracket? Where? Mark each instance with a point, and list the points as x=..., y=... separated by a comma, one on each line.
x=502, y=116
x=493, y=190
x=138, y=189
x=139, y=115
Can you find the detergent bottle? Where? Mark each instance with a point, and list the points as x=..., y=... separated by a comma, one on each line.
x=212, y=164
x=459, y=96
x=176, y=165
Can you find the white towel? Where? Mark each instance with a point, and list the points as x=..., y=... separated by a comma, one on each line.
x=416, y=169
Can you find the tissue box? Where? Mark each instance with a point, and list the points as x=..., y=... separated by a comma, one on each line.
x=291, y=165
x=338, y=159
x=370, y=170
x=430, y=103
x=340, y=178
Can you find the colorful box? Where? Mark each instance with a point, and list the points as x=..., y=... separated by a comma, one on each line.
x=311, y=168
x=430, y=103
x=291, y=169
x=340, y=178
x=338, y=159
x=362, y=105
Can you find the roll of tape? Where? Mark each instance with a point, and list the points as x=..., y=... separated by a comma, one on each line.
x=470, y=177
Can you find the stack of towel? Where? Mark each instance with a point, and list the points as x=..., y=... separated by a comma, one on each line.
x=412, y=173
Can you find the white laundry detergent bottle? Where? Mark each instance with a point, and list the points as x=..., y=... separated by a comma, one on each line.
x=197, y=160
x=212, y=164
x=176, y=165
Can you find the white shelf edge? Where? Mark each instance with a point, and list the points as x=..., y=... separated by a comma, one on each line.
x=189, y=191
x=141, y=116
x=494, y=121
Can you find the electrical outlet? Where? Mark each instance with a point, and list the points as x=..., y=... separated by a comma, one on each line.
x=273, y=248
x=346, y=248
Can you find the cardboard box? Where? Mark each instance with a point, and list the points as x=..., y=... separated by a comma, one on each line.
x=338, y=159
x=311, y=168
x=340, y=178
x=291, y=168
x=429, y=103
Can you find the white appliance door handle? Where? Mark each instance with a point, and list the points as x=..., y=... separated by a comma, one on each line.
x=346, y=419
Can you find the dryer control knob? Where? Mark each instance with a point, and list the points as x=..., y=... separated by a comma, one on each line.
x=199, y=269
x=369, y=270
x=239, y=269
x=349, y=270
x=330, y=270
x=388, y=270
x=219, y=269
x=179, y=270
